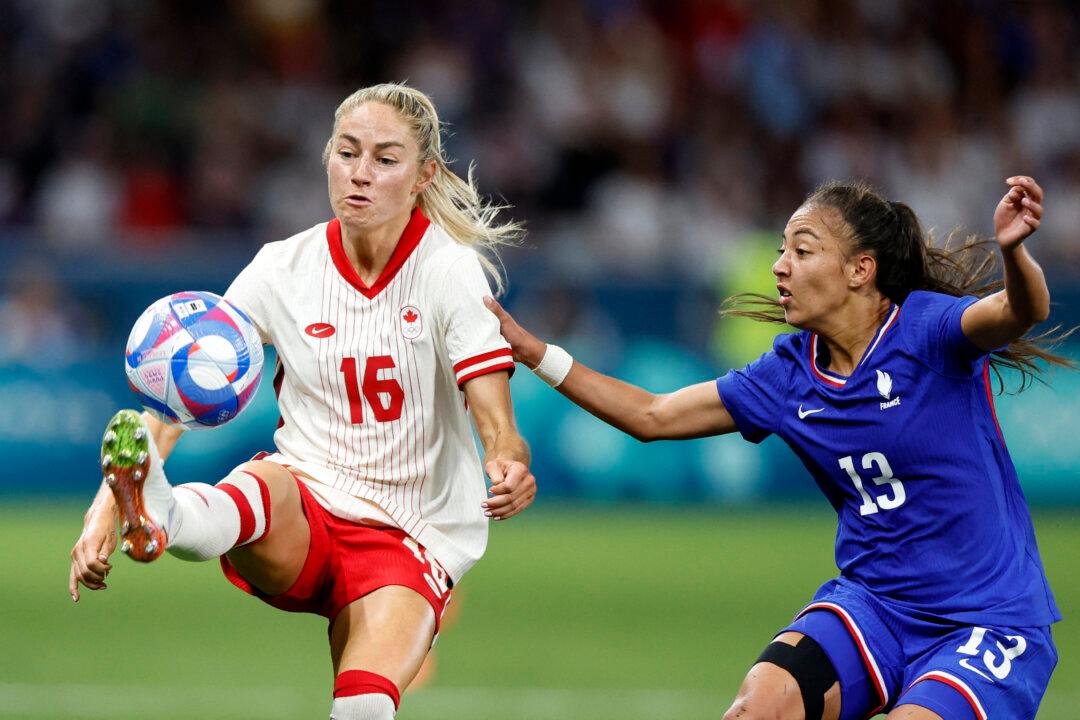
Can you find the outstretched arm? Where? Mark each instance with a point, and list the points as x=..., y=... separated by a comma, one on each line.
x=694, y=411
x=506, y=455
x=998, y=319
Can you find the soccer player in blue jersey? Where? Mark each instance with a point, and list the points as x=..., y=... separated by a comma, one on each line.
x=942, y=608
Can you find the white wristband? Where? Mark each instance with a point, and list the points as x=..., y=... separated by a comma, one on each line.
x=555, y=366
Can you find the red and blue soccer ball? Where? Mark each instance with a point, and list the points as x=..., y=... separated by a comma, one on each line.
x=194, y=360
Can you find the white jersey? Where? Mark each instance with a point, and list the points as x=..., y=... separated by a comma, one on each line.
x=368, y=379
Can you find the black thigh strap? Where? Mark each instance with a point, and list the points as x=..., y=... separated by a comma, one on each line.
x=810, y=667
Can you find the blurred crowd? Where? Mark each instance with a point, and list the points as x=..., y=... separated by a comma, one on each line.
x=653, y=145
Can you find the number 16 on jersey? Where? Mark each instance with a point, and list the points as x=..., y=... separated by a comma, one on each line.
x=373, y=389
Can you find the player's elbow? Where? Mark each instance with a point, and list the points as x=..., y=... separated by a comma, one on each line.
x=1029, y=311
x=650, y=425
x=1025, y=321
x=1041, y=312
x=644, y=435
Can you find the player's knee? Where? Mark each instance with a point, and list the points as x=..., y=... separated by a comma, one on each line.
x=279, y=482
x=362, y=695
x=249, y=489
x=813, y=672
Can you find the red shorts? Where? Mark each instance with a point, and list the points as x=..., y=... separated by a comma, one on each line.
x=346, y=561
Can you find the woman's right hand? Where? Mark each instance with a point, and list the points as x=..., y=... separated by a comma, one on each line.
x=90, y=556
x=528, y=349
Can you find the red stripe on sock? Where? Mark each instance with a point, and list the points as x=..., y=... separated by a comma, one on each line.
x=362, y=682
x=247, y=516
x=264, y=493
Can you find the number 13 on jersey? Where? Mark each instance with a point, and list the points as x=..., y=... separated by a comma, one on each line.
x=871, y=505
x=373, y=389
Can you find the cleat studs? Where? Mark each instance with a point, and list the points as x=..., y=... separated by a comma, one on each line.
x=151, y=547
x=138, y=475
x=106, y=461
x=125, y=528
x=142, y=457
x=110, y=437
x=125, y=454
x=139, y=433
x=110, y=480
x=125, y=546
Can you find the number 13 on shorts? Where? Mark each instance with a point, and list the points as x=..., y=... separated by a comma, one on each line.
x=999, y=663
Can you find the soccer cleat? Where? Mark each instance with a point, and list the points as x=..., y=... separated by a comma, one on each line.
x=132, y=470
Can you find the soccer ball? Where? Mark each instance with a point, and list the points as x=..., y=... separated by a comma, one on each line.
x=194, y=360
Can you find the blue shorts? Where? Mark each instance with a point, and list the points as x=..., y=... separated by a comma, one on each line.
x=885, y=658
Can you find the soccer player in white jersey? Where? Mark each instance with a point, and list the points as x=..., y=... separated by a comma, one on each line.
x=373, y=505
x=942, y=610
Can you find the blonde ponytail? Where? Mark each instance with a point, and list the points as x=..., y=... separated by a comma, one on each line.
x=449, y=201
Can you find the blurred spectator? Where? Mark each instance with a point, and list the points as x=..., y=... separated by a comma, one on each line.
x=41, y=325
x=639, y=139
x=78, y=201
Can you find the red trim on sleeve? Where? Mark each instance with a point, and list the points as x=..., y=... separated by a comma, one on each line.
x=247, y=516
x=410, y=238
x=362, y=682
x=509, y=367
x=501, y=352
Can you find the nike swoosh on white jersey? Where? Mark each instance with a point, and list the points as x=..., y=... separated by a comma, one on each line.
x=804, y=413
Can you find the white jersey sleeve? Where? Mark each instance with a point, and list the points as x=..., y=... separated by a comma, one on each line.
x=251, y=292
x=473, y=341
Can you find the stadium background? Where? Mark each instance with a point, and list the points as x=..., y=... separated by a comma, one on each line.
x=655, y=150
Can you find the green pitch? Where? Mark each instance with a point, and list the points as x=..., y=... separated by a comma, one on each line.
x=573, y=614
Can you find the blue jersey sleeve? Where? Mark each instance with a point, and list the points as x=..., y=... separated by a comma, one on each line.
x=753, y=395
x=932, y=331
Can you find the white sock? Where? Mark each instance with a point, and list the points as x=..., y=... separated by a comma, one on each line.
x=207, y=521
x=370, y=706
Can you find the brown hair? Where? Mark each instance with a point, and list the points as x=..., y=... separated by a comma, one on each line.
x=907, y=261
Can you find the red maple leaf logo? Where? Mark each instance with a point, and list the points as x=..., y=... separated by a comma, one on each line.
x=410, y=317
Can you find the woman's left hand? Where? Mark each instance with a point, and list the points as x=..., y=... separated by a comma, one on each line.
x=1019, y=213
x=513, y=488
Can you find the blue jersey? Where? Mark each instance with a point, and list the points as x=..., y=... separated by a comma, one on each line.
x=909, y=453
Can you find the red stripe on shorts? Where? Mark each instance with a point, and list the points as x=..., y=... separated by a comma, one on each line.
x=860, y=644
x=958, y=685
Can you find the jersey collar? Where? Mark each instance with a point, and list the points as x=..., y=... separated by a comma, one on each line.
x=410, y=238
x=835, y=380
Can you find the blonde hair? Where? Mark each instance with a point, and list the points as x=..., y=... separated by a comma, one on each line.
x=449, y=201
